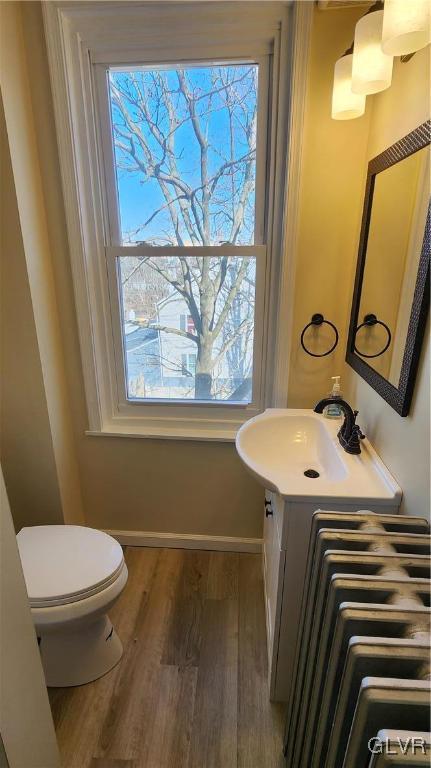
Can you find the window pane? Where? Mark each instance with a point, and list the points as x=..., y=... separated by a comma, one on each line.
x=185, y=153
x=210, y=356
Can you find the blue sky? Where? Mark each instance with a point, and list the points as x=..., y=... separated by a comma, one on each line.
x=138, y=197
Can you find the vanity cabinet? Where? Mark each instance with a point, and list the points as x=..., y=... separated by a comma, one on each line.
x=286, y=533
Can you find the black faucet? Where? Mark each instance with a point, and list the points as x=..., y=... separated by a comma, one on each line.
x=349, y=433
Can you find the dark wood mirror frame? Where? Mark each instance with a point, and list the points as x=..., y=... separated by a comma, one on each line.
x=398, y=397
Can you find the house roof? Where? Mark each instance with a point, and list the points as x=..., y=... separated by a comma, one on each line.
x=138, y=336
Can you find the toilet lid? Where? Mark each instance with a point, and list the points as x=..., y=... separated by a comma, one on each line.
x=61, y=562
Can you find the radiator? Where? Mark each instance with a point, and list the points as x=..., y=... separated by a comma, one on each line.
x=362, y=674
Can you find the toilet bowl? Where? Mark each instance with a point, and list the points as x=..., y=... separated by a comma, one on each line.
x=73, y=576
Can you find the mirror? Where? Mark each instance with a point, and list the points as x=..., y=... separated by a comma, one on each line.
x=398, y=214
x=391, y=295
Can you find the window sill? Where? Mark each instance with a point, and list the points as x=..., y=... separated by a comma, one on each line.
x=207, y=434
x=184, y=423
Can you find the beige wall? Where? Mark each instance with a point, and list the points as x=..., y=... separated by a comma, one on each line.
x=169, y=486
x=27, y=729
x=17, y=84
x=26, y=446
x=335, y=159
x=403, y=443
x=329, y=213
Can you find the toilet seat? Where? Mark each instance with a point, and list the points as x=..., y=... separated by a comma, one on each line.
x=73, y=614
x=65, y=564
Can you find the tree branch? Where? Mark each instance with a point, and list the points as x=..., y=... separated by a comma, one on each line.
x=231, y=340
x=166, y=329
x=230, y=297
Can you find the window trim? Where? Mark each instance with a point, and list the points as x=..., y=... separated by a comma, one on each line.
x=77, y=36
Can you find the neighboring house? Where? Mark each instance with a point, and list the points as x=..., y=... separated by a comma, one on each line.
x=177, y=352
x=142, y=348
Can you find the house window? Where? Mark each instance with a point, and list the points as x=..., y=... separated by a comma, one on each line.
x=187, y=323
x=174, y=116
x=190, y=324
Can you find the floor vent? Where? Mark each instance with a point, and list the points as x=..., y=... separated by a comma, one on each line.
x=362, y=685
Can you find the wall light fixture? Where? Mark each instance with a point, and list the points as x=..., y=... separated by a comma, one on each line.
x=393, y=28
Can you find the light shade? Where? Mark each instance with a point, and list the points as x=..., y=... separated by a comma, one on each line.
x=371, y=68
x=345, y=104
x=406, y=26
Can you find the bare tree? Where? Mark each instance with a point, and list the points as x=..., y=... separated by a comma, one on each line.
x=142, y=287
x=164, y=119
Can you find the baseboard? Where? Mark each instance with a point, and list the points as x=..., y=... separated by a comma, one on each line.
x=186, y=541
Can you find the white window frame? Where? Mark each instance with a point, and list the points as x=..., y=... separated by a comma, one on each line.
x=83, y=39
x=177, y=408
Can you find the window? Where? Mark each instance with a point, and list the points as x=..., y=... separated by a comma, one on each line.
x=181, y=172
x=173, y=114
x=221, y=340
x=187, y=324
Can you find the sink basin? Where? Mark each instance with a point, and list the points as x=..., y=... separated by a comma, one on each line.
x=279, y=445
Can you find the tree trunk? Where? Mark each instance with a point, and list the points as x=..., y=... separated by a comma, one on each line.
x=203, y=376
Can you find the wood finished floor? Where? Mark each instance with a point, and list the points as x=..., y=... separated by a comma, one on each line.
x=191, y=688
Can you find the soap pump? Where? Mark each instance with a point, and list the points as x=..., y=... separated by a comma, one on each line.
x=333, y=410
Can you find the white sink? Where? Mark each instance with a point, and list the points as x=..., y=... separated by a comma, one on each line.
x=279, y=445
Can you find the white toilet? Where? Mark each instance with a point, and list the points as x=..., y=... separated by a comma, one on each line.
x=73, y=576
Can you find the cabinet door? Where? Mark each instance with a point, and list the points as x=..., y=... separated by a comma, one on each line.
x=273, y=566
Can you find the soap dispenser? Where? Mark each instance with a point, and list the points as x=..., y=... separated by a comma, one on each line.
x=333, y=410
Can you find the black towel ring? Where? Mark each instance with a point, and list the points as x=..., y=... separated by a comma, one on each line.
x=318, y=319
x=369, y=321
